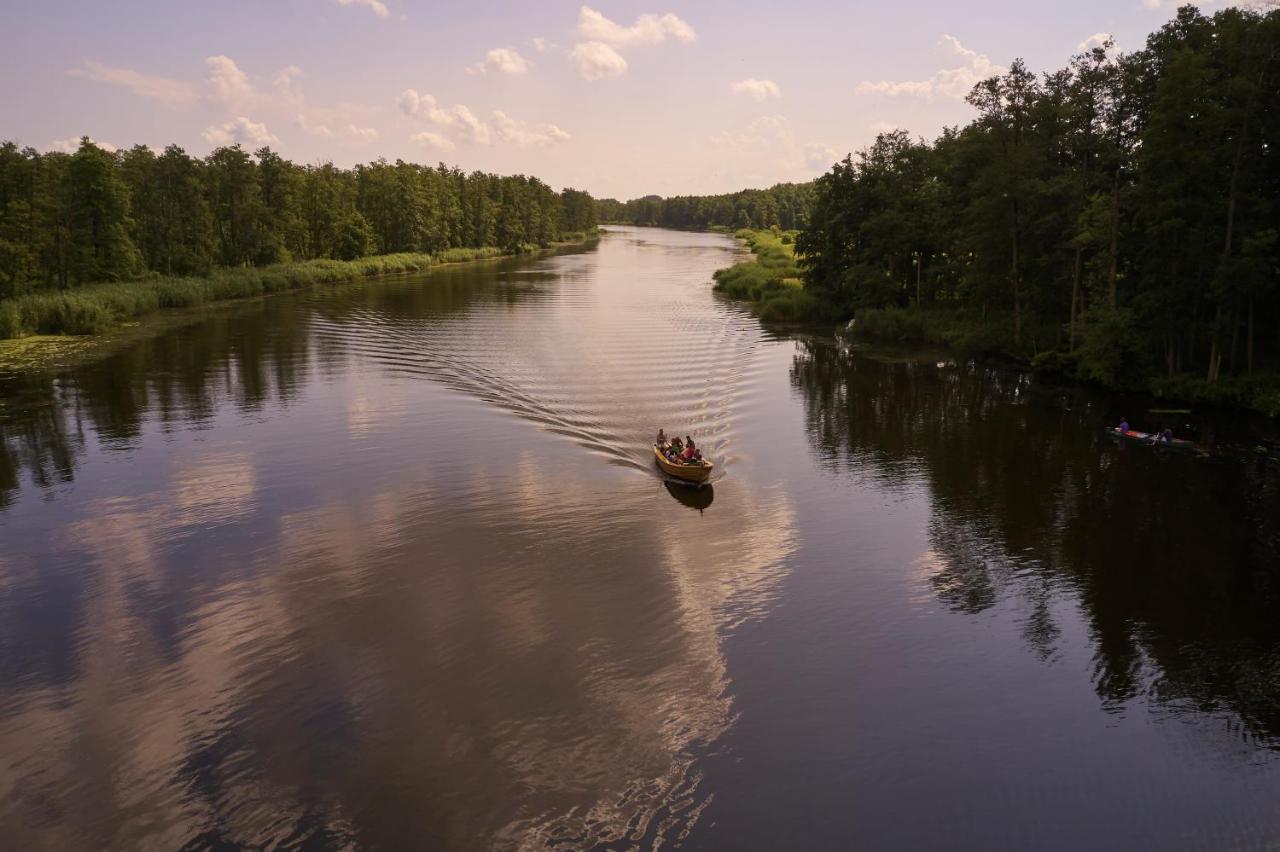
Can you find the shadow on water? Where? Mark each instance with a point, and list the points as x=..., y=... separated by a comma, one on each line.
x=695, y=497
x=1173, y=558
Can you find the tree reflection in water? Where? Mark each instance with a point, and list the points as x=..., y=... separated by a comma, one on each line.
x=1174, y=561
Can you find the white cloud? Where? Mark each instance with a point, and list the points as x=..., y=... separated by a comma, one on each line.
x=240, y=131
x=428, y=139
x=361, y=134
x=648, y=29
x=818, y=156
x=376, y=6
x=759, y=90
x=949, y=83
x=539, y=43
x=523, y=133
x=881, y=127
x=228, y=85
x=173, y=93
x=71, y=145
x=286, y=83
x=596, y=60
x=767, y=150
x=501, y=60
x=312, y=129
x=459, y=122
x=1096, y=40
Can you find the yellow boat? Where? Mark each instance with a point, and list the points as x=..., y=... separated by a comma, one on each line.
x=696, y=472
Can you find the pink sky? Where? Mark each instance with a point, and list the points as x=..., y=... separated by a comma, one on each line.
x=618, y=98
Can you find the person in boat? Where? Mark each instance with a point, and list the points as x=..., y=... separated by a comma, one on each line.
x=661, y=440
x=676, y=446
x=1124, y=425
x=690, y=451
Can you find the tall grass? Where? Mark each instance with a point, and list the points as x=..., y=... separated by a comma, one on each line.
x=95, y=308
x=771, y=281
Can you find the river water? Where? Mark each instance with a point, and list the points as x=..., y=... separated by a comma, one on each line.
x=387, y=566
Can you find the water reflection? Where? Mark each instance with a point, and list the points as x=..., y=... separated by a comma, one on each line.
x=1171, y=559
x=315, y=586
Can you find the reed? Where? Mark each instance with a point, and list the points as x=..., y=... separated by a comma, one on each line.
x=95, y=308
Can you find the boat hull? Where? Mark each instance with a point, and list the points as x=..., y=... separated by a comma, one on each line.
x=696, y=473
x=1151, y=439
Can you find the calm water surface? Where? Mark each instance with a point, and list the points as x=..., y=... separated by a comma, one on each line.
x=386, y=566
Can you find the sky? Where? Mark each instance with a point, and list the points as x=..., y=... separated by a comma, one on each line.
x=622, y=99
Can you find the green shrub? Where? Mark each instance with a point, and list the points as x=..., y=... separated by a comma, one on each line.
x=10, y=321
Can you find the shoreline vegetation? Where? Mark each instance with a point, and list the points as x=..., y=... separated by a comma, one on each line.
x=95, y=238
x=1113, y=221
x=95, y=308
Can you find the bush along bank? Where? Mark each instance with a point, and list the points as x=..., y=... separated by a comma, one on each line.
x=772, y=281
x=95, y=308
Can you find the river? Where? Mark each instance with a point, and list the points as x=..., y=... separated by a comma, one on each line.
x=387, y=566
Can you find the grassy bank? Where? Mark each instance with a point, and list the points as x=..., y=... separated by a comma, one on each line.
x=771, y=282
x=1094, y=360
x=96, y=308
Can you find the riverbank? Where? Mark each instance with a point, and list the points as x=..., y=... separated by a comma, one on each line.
x=1113, y=369
x=95, y=308
x=37, y=326
x=772, y=282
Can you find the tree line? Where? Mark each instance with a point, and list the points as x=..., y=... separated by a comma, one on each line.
x=785, y=205
x=97, y=215
x=1120, y=213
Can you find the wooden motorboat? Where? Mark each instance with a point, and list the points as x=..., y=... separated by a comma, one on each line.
x=696, y=472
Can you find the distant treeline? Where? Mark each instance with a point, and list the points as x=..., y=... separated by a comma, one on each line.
x=1119, y=217
x=97, y=216
x=785, y=205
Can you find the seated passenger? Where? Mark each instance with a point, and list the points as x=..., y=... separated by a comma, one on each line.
x=689, y=452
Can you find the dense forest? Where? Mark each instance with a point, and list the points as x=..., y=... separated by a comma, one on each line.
x=1117, y=218
x=785, y=205
x=94, y=216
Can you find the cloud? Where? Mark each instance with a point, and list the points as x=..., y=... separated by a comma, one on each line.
x=71, y=145
x=539, y=43
x=596, y=60
x=1095, y=40
x=949, y=83
x=429, y=139
x=818, y=156
x=648, y=29
x=524, y=134
x=767, y=150
x=458, y=124
x=361, y=134
x=312, y=129
x=501, y=60
x=881, y=127
x=174, y=93
x=759, y=90
x=458, y=121
x=227, y=84
x=376, y=6
x=240, y=131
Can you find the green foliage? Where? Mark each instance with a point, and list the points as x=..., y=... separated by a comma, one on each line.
x=72, y=220
x=771, y=281
x=785, y=206
x=1113, y=220
x=79, y=233
x=95, y=308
